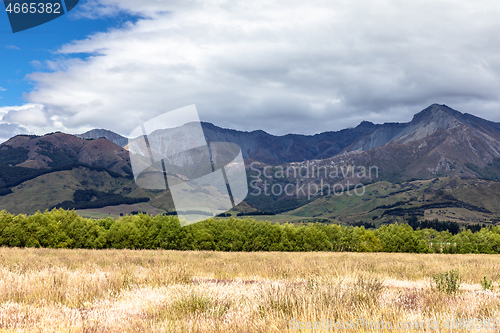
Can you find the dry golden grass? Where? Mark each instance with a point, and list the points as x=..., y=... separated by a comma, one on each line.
x=44, y=290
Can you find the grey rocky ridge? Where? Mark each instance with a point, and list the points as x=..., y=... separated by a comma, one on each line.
x=458, y=151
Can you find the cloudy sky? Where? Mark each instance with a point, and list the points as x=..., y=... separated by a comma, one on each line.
x=281, y=66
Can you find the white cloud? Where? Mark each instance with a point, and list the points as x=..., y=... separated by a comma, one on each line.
x=33, y=115
x=7, y=131
x=28, y=119
x=282, y=66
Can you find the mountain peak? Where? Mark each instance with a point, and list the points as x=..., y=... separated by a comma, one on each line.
x=436, y=112
x=428, y=121
x=366, y=124
x=104, y=133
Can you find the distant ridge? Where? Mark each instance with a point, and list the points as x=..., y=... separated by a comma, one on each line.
x=438, y=141
x=104, y=133
x=428, y=124
x=58, y=150
x=270, y=149
x=454, y=158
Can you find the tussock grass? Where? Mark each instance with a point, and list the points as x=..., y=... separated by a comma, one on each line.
x=44, y=290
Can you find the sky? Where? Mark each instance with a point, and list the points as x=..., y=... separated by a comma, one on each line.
x=280, y=66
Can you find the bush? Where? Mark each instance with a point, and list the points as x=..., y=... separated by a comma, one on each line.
x=448, y=282
x=487, y=285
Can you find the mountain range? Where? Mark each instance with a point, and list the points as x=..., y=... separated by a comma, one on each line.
x=459, y=150
x=438, y=141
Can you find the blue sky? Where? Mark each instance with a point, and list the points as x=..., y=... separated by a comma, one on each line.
x=283, y=66
x=25, y=52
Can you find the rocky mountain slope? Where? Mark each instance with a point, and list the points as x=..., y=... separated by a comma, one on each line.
x=107, y=134
x=58, y=150
x=438, y=142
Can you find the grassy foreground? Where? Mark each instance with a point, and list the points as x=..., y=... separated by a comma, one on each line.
x=46, y=290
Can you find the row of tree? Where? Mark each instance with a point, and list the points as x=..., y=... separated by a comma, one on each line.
x=435, y=224
x=65, y=229
x=85, y=199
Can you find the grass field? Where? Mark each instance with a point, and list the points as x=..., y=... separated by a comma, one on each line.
x=44, y=290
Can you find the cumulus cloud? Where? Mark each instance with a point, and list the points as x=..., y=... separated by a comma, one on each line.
x=27, y=119
x=7, y=131
x=31, y=115
x=281, y=66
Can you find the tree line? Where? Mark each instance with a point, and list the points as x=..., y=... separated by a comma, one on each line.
x=84, y=199
x=65, y=229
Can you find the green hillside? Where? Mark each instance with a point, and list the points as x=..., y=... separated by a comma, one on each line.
x=53, y=188
x=467, y=201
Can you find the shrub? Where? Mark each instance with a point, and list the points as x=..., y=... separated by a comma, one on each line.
x=487, y=285
x=448, y=282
